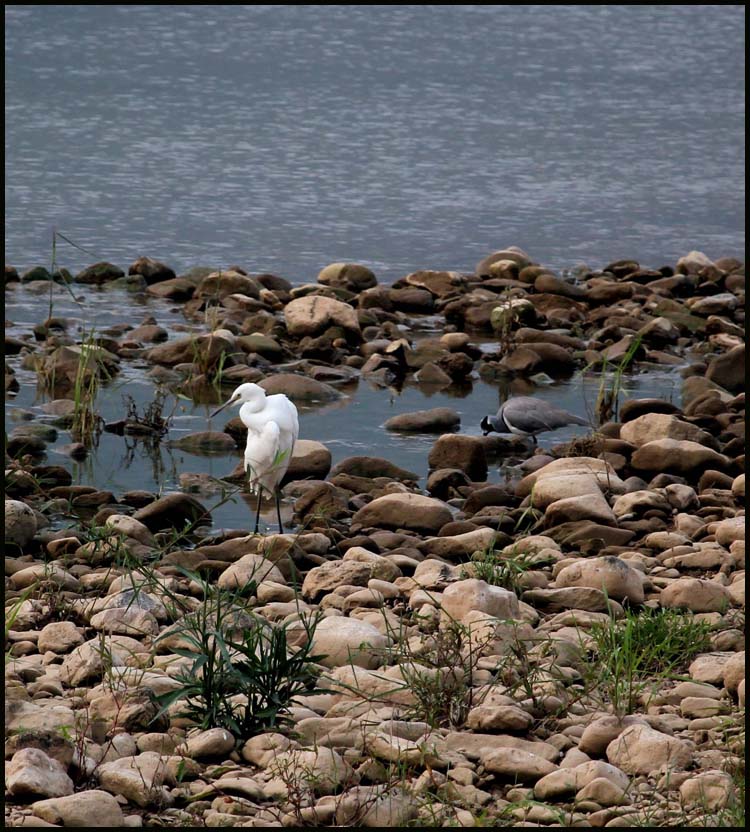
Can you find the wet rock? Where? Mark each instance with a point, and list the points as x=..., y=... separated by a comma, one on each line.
x=173, y=510
x=313, y=314
x=457, y=451
x=203, y=350
x=351, y=276
x=310, y=460
x=20, y=523
x=728, y=370
x=343, y=641
x=640, y=749
x=652, y=426
x=99, y=273
x=153, y=271
x=512, y=253
x=206, y=441
x=404, y=511
x=371, y=467
x=300, y=388
x=90, y=808
x=31, y=773
x=436, y=420
x=611, y=574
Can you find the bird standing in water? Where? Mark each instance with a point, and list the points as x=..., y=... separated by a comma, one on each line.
x=272, y=429
x=527, y=416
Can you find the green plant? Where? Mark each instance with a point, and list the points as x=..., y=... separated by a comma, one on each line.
x=608, y=397
x=500, y=570
x=87, y=424
x=242, y=675
x=640, y=650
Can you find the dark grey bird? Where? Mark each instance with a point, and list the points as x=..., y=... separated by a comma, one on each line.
x=527, y=416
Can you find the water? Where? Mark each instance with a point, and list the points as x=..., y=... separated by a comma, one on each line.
x=286, y=137
x=352, y=426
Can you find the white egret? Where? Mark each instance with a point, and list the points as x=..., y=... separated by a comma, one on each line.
x=527, y=416
x=272, y=429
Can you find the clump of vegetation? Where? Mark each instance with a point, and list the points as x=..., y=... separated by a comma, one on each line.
x=641, y=650
x=500, y=570
x=242, y=675
x=608, y=397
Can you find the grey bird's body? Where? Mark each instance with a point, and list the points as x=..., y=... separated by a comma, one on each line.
x=527, y=416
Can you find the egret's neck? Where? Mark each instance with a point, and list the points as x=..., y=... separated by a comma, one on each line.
x=253, y=406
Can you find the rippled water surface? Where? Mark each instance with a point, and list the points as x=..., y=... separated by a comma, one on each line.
x=286, y=137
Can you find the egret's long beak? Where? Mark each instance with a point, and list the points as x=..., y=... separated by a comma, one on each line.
x=226, y=404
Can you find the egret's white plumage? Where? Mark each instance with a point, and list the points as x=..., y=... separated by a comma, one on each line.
x=272, y=429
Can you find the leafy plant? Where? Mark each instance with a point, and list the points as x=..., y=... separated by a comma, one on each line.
x=242, y=675
x=500, y=570
x=608, y=397
x=641, y=650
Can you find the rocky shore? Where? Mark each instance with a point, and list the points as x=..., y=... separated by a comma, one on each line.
x=565, y=648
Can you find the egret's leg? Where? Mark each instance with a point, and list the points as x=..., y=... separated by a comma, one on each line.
x=533, y=437
x=257, y=513
x=278, y=511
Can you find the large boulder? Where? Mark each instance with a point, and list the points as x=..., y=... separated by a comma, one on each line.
x=458, y=451
x=651, y=426
x=20, y=523
x=173, y=510
x=343, y=641
x=611, y=574
x=436, y=420
x=404, y=511
x=678, y=456
x=463, y=597
x=728, y=370
x=350, y=276
x=300, y=388
x=313, y=314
